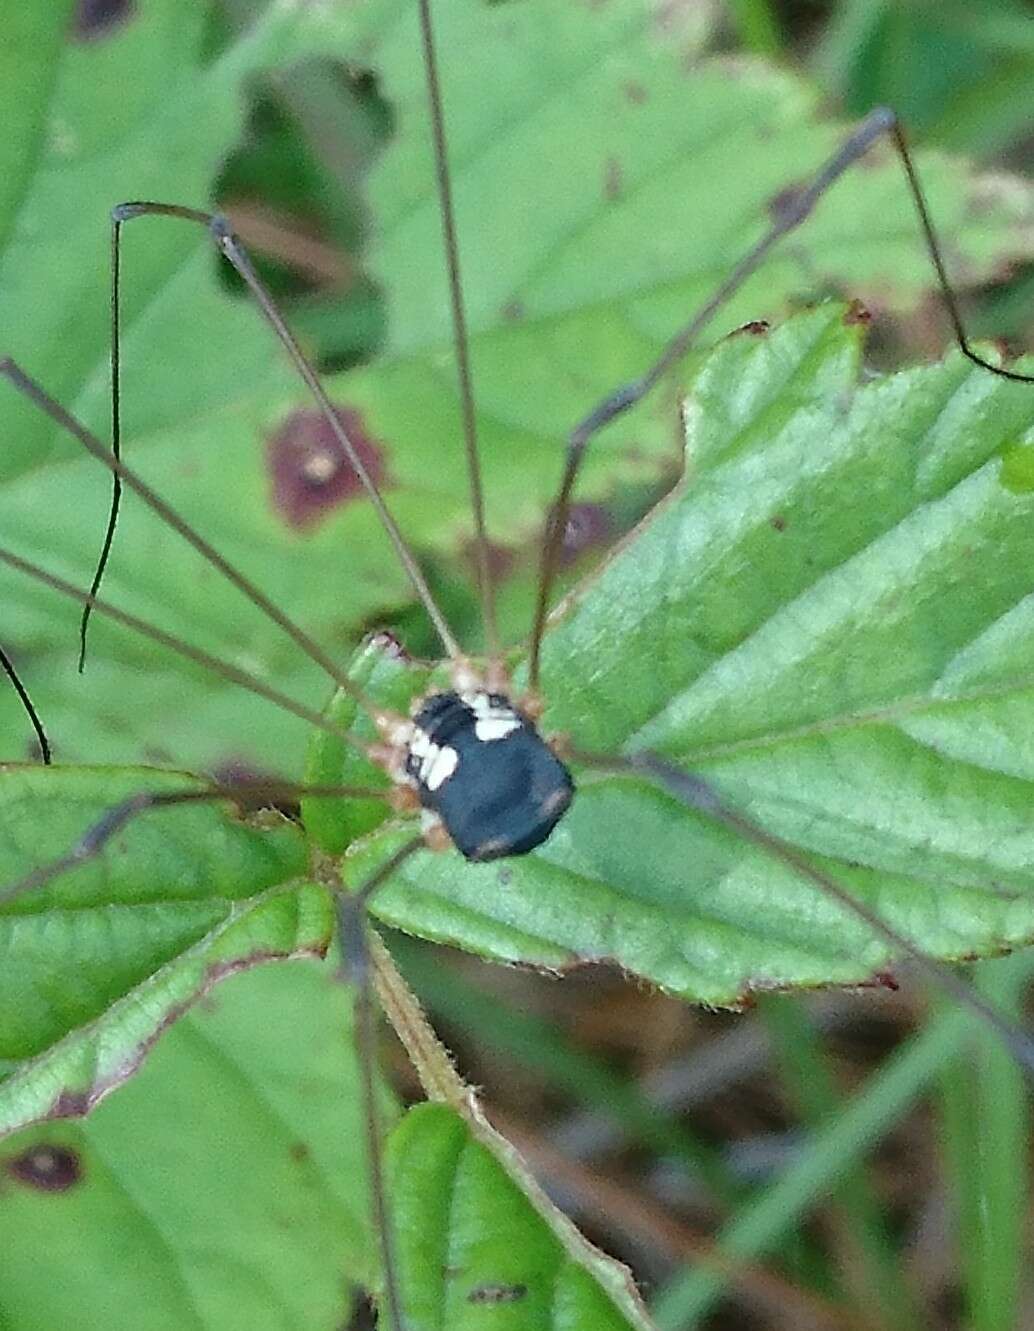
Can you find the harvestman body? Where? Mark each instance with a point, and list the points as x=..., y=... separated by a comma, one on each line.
x=480, y=764
x=471, y=756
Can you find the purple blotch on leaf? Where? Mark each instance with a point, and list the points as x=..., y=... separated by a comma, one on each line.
x=96, y=19
x=501, y=559
x=588, y=525
x=310, y=472
x=46, y=1168
x=612, y=180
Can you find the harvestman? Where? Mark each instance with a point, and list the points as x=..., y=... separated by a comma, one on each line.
x=470, y=755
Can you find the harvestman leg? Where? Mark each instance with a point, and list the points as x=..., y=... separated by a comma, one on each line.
x=356, y=972
x=230, y=247
x=224, y=669
x=99, y=833
x=795, y=208
x=7, y=666
x=110, y=458
x=691, y=791
x=699, y=796
x=350, y=909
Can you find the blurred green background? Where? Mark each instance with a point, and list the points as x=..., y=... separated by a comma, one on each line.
x=866, y=1172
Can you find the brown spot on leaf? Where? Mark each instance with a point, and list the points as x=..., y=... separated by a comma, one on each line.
x=70, y=1104
x=311, y=473
x=588, y=525
x=94, y=20
x=778, y=521
x=612, y=178
x=513, y=312
x=497, y=1294
x=756, y=328
x=501, y=560
x=255, y=789
x=299, y=1152
x=237, y=771
x=46, y=1168
x=857, y=313
x=636, y=93
x=980, y=201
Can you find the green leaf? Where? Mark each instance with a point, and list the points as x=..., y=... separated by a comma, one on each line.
x=105, y=957
x=607, y=148
x=150, y=112
x=475, y=1249
x=223, y=1189
x=28, y=67
x=830, y=620
x=603, y=189
x=383, y=672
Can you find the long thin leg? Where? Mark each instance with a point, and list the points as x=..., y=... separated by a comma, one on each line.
x=224, y=669
x=697, y=794
x=98, y=834
x=461, y=341
x=797, y=207
x=115, y=352
x=234, y=252
x=34, y=391
x=30, y=708
x=355, y=970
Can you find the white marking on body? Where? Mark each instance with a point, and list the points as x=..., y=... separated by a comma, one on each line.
x=436, y=769
x=420, y=745
x=496, y=727
x=437, y=761
x=491, y=721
